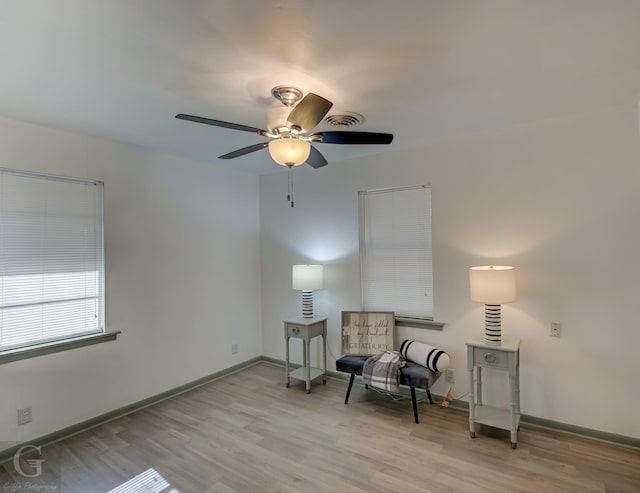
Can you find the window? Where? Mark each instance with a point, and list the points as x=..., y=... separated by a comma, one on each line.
x=395, y=251
x=51, y=259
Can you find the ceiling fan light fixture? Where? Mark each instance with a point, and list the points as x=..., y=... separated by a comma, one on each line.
x=290, y=127
x=289, y=152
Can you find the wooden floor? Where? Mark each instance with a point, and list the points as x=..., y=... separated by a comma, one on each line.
x=248, y=433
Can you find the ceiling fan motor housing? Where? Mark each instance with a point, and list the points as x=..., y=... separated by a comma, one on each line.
x=277, y=119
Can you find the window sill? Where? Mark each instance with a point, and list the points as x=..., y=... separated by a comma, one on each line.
x=419, y=323
x=12, y=355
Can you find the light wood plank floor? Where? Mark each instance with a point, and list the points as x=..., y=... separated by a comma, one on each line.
x=248, y=433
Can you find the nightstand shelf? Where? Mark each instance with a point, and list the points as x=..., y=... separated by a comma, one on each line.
x=496, y=417
x=505, y=357
x=301, y=373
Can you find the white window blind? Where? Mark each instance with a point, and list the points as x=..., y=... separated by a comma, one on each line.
x=51, y=259
x=395, y=251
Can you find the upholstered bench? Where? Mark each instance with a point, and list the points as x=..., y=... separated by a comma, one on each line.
x=412, y=375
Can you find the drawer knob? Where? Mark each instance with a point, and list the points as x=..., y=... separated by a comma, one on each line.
x=490, y=358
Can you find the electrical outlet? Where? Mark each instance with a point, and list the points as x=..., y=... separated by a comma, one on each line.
x=555, y=329
x=451, y=375
x=235, y=347
x=25, y=415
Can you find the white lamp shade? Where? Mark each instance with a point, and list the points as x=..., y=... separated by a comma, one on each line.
x=306, y=277
x=289, y=152
x=492, y=284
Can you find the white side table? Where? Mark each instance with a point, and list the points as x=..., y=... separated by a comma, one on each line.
x=307, y=329
x=507, y=358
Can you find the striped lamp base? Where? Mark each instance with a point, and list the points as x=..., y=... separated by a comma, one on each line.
x=307, y=304
x=492, y=325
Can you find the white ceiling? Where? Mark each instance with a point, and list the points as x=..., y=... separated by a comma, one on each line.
x=425, y=70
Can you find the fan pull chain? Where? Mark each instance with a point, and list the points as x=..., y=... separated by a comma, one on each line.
x=290, y=185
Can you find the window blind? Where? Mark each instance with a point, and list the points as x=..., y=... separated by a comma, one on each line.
x=51, y=258
x=395, y=251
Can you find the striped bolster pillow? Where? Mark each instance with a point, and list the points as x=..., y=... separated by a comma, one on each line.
x=433, y=358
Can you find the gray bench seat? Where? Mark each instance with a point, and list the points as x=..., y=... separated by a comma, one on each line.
x=412, y=375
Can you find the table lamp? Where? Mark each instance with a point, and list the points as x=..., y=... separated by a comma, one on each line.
x=492, y=285
x=307, y=278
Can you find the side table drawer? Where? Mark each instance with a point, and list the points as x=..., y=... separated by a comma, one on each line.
x=294, y=330
x=490, y=358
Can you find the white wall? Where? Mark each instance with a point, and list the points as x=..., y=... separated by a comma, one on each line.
x=558, y=199
x=182, y=279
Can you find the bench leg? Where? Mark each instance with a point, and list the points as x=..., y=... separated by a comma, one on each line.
x=415, y=405
x=353, y=376
x=429, y=396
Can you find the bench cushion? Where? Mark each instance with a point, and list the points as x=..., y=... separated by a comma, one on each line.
x=412, y=374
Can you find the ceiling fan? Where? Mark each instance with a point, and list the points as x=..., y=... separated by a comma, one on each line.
x=289, y=127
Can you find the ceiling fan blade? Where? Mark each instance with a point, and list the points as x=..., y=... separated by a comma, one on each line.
x=219, y=123
x=244, y=150
x=316, y=159
x=337, y=137
x=309, y=112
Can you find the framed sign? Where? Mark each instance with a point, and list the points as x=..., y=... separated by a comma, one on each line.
x=367, y=332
